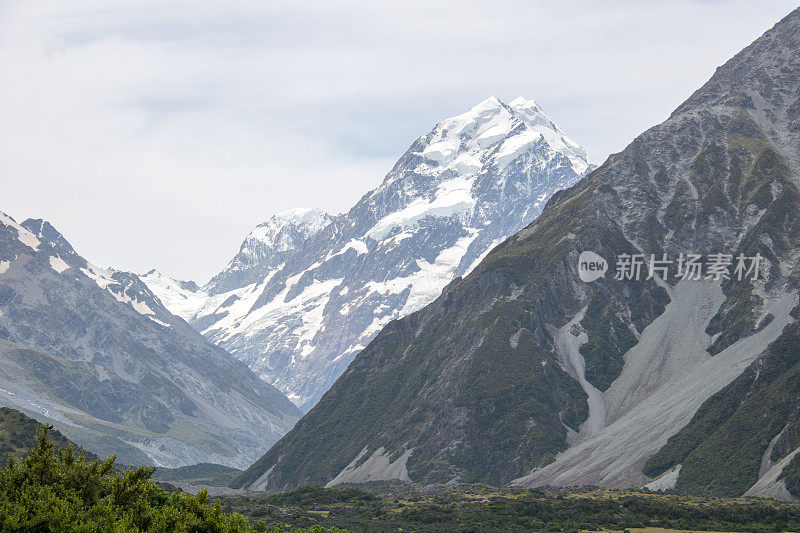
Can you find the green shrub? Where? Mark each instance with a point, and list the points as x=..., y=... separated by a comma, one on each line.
x=59, y=490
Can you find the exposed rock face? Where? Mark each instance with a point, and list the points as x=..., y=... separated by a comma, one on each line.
x=94, y=352
x=522, y=372
x=308, y=291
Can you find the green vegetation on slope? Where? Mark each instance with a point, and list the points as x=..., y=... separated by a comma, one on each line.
x=722, y=447
x=608, y=340
x=58, y=490
x=791, y=476
x=18, y=434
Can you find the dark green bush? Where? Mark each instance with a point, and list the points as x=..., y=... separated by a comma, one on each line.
x=59, y=490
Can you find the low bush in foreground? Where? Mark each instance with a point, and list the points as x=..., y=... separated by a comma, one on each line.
x=57, y=489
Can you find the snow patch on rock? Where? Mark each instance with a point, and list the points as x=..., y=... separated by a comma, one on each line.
x=101, y=276
x=180, y=300
x=25, y=237
x=58, y=264
x=451, y=197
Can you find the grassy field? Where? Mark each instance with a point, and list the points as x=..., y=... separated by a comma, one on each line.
x=399, y=507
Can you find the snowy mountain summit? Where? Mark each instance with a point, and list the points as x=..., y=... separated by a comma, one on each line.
x=267, y=245
x=308, y=290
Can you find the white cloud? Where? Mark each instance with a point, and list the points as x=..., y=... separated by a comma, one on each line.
x=157, y=133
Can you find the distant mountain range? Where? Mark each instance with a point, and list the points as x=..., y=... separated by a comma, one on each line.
x=309, y=290
x=523, y=373
x=93, y=352
x=498, y=310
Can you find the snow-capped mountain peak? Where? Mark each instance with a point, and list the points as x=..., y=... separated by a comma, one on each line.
x=498, y=133
x=282, y=231
x=307, y=290
x=267, y=244
x=539, y=122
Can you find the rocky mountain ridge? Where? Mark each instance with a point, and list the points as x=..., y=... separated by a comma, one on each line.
x=95, y=353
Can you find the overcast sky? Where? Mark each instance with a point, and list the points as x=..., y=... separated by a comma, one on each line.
x=158, y=133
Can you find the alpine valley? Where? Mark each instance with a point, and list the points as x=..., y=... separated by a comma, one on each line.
x=94, y=353
x=520, y=372
x=308, y=290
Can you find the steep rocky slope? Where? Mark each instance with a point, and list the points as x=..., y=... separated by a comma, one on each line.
x=18, y=435
x=94, y=353
x=307, y=291
x=522, y=372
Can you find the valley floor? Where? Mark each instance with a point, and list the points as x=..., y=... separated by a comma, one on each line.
x=396, y=506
